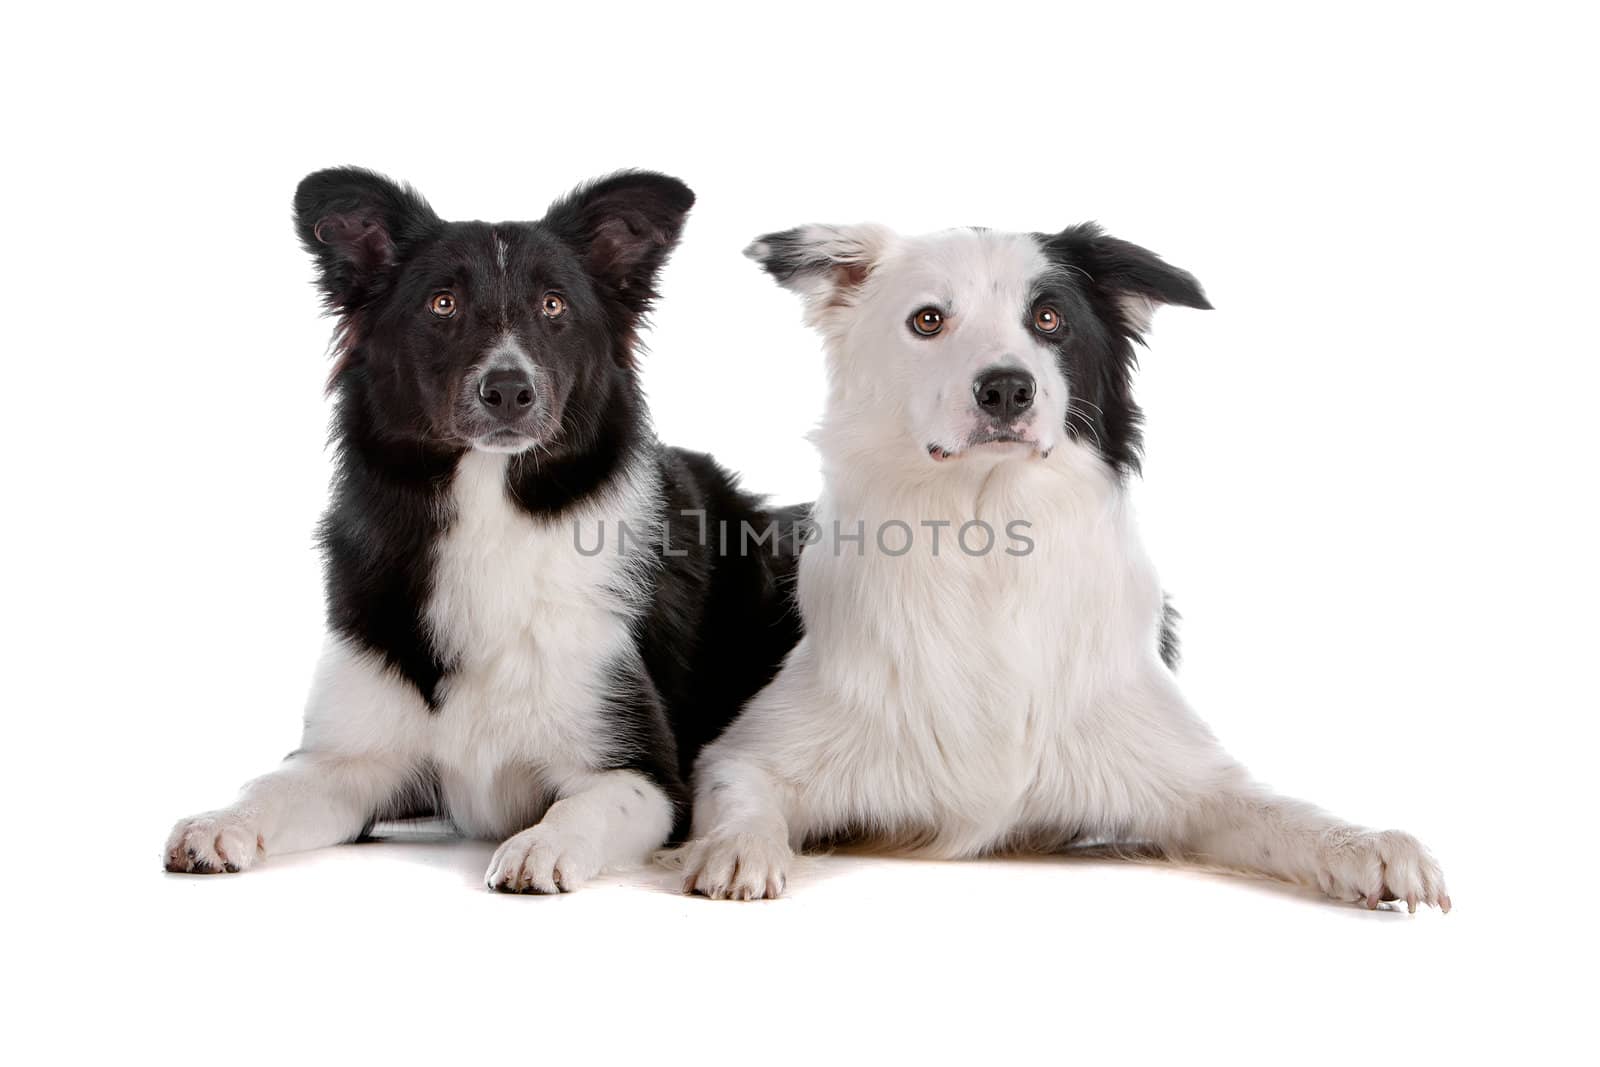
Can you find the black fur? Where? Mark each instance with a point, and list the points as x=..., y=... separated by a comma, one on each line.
x=1171, y=654
x=717, y=626
x=1094, y=273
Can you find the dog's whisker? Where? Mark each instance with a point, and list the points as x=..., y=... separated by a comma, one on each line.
x=1088, y=424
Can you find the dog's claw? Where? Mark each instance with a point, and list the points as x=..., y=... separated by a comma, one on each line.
x=214, y=843
x=738, y=866
x=1372, y=867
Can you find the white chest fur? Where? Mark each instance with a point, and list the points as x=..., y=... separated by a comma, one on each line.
x=968, y=680
x=508, y=586
x=528, y=627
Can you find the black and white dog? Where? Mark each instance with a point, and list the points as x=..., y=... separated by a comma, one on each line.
x=982, y=665
x=530, y=633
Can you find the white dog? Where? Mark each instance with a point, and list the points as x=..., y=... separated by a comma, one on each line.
x=982, y=667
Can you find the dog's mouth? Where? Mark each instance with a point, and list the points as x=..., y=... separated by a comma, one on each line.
x=539, y=428
x=1001, y=442
x=507, y=440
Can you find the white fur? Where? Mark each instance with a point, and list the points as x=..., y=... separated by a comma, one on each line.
x=962, y=704
x=905, y=392
x=529, y=625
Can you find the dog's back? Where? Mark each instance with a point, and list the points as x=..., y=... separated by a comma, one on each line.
x=724, y=616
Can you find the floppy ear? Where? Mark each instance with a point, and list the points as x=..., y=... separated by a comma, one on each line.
x=1135, y=279
x=825, y=264
x=624, y=226
x=358, y=225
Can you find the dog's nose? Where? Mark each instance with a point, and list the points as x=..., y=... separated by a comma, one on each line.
x=1003, y=393
x=506, y=393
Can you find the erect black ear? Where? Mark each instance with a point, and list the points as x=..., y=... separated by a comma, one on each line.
x=1136, y=279
x=624, y=226
x=824, y=264
x=358, y=225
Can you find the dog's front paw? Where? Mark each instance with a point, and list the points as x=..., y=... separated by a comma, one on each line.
x=217, y=842
x=542, y=860
x=737, y=867
x=1374, y=865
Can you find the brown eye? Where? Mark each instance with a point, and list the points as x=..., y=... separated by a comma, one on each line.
x=442, y=304
x=553, y=305
x=1046, y=320
x=928, y=321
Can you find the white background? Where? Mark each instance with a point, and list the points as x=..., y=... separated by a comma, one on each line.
x=1369, y=485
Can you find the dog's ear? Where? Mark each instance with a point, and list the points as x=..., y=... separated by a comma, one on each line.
x=827, y=265
x=624, y=226
x=1135, y=279
x=358, y=225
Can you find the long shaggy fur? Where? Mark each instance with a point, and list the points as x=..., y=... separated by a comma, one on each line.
x=962, y=703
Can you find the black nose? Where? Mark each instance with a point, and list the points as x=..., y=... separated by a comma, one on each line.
x=506, y=393
x=1004, y=394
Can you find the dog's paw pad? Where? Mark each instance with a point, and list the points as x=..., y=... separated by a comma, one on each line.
x=541, y=860
x=737, y=867
x=218, y=842
x=1373, y=866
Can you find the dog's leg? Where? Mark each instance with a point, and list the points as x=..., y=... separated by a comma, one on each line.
x=1253, y=830
x=779, y=773
x=607, y=819
x=1178, y=790
x=312, y=801
x=360, y=754
x=741, y=848
x=794, y=766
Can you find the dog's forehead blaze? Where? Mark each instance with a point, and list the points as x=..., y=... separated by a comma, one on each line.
x=973, y=266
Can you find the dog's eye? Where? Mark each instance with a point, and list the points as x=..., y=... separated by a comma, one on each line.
x=928, y=321
x=1046, y=320
x=442, y=304
x=554, y=305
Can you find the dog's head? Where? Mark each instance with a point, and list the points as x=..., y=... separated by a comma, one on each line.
x=974, y=345
x=502, y=337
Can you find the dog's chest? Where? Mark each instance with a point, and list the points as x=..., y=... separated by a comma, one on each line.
x=988, y=660
x=526, y=625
